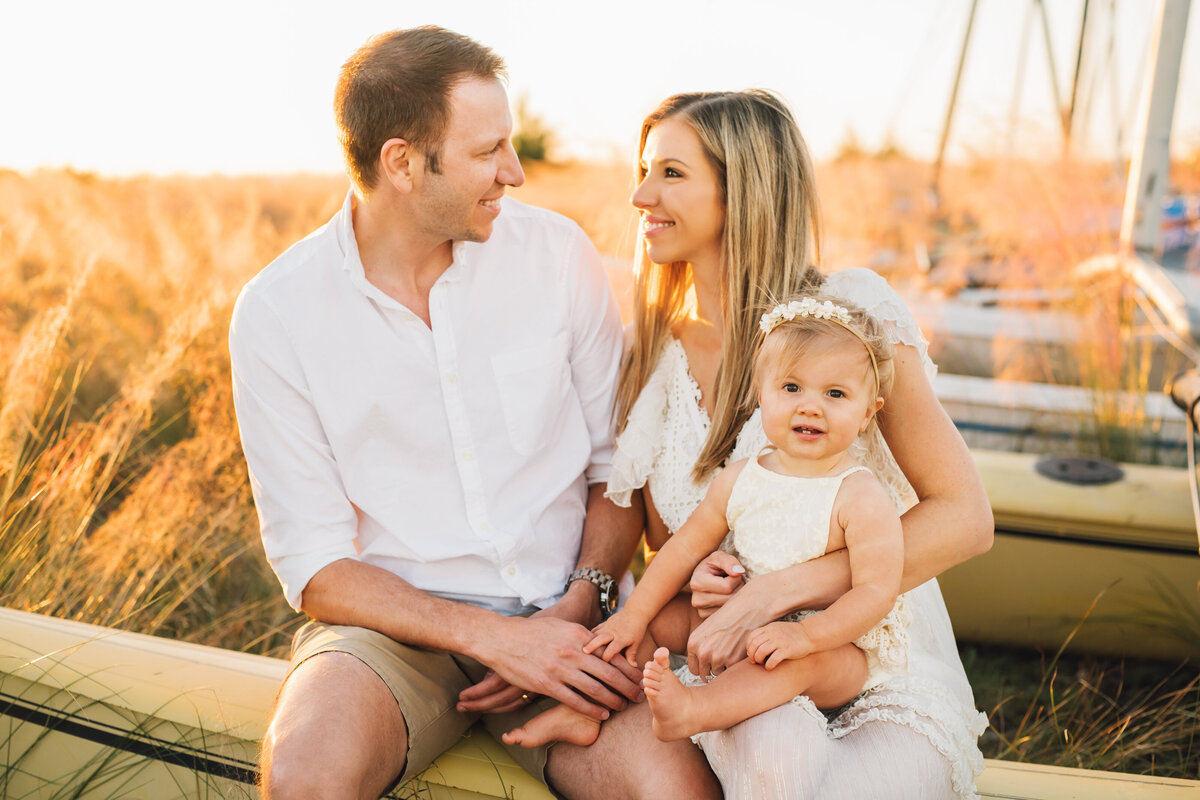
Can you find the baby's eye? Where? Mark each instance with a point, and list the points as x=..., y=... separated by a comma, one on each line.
x=791, y=387
x=836, y=393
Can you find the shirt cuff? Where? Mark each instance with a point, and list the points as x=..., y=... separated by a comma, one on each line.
x=295, y=571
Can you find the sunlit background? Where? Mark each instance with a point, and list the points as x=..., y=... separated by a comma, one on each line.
x=245, y=87
x=154, y=156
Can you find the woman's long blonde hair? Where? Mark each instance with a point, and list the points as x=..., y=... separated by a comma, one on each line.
x=771, y=248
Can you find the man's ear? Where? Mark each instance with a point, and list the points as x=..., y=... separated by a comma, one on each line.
x=400, y=164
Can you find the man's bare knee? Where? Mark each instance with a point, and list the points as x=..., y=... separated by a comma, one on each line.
x=288, y=776
x=336, y=733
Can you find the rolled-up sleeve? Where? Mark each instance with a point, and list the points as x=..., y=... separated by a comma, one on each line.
x=305, y=518
x=595, y=355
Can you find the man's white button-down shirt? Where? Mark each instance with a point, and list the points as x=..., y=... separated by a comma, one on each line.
x=457, y=455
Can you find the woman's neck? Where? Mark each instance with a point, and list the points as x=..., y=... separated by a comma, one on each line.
x=706, y=283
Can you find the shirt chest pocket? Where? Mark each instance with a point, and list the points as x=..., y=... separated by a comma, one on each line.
x=533, y=384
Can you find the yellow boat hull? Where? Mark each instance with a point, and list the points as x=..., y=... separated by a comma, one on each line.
x=1122, y=555
x=96, y=713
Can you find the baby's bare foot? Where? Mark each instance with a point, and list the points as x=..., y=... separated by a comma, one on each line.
x=670, y=701
x=559, y=724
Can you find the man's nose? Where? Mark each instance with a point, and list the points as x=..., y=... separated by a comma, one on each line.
x=510, y=172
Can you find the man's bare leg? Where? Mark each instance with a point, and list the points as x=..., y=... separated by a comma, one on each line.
x=336, y=733
x=627, y=761
x=830, y=679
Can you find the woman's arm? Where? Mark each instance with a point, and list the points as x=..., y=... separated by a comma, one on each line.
x=951, y=522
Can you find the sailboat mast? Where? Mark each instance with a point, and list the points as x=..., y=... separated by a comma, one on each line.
x=1150, y=166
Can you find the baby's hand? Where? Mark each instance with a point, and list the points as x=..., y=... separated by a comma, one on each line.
x=777, y=642
x=620, y=632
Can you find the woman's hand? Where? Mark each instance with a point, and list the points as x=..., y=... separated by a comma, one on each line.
x=714, y=581
x=721, y=640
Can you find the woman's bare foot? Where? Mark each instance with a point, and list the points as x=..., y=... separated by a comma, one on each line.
x=670, y=701
x=559, y=724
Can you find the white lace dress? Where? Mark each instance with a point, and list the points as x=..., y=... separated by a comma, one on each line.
x=914, y=736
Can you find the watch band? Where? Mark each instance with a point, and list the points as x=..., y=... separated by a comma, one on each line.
x=603, y=581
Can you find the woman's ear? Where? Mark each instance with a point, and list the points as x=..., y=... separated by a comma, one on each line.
x=399, y=164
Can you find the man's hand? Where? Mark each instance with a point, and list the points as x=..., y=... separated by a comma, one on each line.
x=714, y=581
x=543, y=654
x=777, y=642
x=621, y=631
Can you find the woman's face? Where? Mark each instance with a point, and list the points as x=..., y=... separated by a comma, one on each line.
x=683, y=215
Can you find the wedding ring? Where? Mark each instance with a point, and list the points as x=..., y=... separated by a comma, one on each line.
x=527, y=699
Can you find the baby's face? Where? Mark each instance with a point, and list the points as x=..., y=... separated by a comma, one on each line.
x=815, y=407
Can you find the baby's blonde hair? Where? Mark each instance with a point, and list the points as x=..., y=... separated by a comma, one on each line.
x=790, y=339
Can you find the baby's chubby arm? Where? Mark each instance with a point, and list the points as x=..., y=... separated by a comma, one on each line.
x=670, y=570
x=875, y=545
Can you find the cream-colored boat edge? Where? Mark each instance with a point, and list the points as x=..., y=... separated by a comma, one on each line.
x=205, y=709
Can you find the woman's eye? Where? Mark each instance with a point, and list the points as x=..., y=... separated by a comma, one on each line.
x=671, y=172
x=791, y=387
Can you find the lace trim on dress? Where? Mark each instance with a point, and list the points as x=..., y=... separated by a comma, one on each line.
x=638, y=446
x=661, y=441
x=921, y=705
x=889, y=639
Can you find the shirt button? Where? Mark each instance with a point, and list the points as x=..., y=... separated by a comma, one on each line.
x=468, y=454
x=452, y=378
x=511, y=570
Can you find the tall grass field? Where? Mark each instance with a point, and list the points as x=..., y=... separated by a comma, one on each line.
x=124, y=497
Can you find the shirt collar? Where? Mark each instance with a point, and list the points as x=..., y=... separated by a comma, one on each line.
x=352, y=261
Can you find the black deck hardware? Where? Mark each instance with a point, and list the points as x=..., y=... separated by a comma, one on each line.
x=1082, y=470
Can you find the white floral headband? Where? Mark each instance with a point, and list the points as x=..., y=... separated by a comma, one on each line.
x=808, y=307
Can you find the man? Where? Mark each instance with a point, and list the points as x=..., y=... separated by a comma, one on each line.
x=424, y=388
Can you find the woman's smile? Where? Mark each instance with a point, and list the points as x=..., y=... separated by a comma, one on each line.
x=651, y=226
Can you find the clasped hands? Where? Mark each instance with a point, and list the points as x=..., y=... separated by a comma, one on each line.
x=543, y=655
x=730, y=629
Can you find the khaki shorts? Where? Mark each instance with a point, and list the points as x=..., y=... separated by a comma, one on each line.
x=426, y=686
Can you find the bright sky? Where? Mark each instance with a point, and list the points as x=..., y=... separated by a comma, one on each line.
x=237, y=86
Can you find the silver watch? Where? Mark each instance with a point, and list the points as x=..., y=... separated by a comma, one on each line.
x=604, y=582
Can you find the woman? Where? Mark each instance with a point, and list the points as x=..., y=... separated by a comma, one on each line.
x=729, y=224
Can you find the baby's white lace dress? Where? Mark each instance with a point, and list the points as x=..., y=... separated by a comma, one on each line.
x=777, y=520
x=913, y=736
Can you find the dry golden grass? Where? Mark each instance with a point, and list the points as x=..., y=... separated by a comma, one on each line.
x=123, y=492
x=124, y=497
